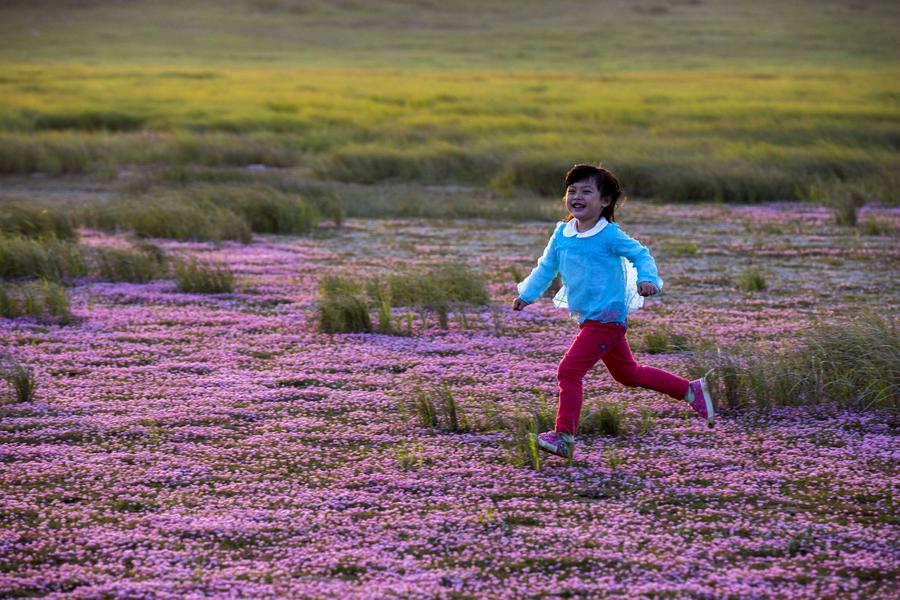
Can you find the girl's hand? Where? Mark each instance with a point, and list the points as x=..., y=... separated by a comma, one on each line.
x=519, y=304
x=645, y=288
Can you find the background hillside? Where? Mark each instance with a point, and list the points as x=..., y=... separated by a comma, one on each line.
x=688, y=99
x=572, y=35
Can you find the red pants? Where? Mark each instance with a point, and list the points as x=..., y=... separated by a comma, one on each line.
x=606, y=342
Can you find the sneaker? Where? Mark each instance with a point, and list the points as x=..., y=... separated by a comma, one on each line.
x=703, y=403
x=560, y=444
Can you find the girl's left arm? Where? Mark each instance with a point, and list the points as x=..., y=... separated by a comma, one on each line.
x=638, y=254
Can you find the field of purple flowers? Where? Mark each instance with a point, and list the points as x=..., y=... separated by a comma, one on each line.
x=189, y=445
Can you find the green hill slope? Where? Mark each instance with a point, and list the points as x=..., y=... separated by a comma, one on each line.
x=572, y=35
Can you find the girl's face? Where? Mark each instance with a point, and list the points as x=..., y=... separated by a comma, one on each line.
x=584, y=202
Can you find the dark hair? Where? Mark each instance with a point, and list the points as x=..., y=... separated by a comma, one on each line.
x=607, y=184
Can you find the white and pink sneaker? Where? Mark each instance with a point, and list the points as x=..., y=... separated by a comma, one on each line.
x=703, y=402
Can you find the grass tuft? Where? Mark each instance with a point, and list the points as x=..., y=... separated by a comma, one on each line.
x=855, y=364
x=648, y=420
x=751, y=280
x=195, y=277
x=607, y=419
x=437, y=286
x=663, y=340
x=341, y=309
x=26, y=220
x=681, y=247
x=173, y=219
x=412, y=458
x=138, y=265
x=613, y=458
x=44, y=300
x=523, y=448
x=53, y=259
x=874, y=226
x=21, y=381
x=438, y=408
x=846, y=204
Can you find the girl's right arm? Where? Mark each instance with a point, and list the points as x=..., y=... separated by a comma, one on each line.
x=542, y=275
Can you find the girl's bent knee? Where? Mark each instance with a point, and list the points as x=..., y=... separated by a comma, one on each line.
x=626, y=379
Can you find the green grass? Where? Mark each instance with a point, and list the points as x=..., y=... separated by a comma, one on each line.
x=26, y=258
x=170, y=216
x=196, y=277
x=204, y=211
x=671, y=135
x=32, y=220
x=21, y=381
x=138, y=265
x=751, y=279
x=342, y=307
x=456, y=34
x=662, y=340
x=605, y=418
x=856, y=364
x=876, y=226
x=43, y=300
x=436, y=406
x=522, y=447
x=344, y=302
x=435, y=287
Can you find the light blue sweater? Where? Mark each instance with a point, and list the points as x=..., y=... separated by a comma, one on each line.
x=599, y=281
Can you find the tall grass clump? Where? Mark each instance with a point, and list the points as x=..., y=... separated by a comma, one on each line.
x=173, y=219
x=207, y=212
x=438, y=286
x=875, y=226
x=607, y=419
x=264, y=209
x=385, y=314
x=26, y=220
x=846, y=210
x=523, y=448
x=137, y=265
x=196, y=277
x=344, y=304
x=59, y=153
x=342, y=308
x=44, y=300
x=855, y=364
x=425, y=409
x=845, y=204
x=53, y=259
x=663, y=339
x=20, y=380
x=437, y=407
x=844, y=198
x=752, y=279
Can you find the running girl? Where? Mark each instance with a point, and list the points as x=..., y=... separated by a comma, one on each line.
x=605, y=274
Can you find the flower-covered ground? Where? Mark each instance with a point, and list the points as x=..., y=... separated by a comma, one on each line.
x=217, y=445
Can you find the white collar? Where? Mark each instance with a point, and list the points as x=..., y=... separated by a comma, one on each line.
x=571, y=230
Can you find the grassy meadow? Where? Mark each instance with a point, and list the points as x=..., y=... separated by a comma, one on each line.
x=733, y=137
x=257, y=259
